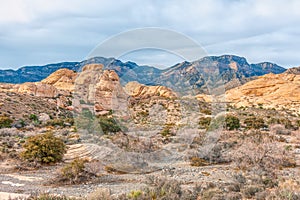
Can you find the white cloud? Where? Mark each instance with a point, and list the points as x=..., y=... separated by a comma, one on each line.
x=260, y=30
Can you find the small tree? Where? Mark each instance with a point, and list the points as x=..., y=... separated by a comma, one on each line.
x=44, y=148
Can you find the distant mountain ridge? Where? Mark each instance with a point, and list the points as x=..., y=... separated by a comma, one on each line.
x=232, y=70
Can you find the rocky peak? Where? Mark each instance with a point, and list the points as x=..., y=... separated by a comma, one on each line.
x=62, y=79
x=294, y=70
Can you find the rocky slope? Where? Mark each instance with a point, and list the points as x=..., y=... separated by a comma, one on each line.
x=269, y=91
x=213, y=72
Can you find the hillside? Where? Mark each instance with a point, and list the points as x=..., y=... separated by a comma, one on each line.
x=144, y=138
x=185, y=77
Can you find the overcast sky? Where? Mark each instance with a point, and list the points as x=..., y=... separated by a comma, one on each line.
x=35, y=32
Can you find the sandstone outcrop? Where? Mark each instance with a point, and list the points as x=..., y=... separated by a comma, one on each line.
x=62, y=79
x=136, y=89
x=38, y=89
x=269, y=91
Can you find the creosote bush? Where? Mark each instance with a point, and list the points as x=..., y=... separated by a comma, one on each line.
x=254, y=123
x=44, y=148
x=204, y=122
x=198, y=162
x=108, y=125
x=5, y=122
x=73, y=171
x=229, y=122
x=232, y=122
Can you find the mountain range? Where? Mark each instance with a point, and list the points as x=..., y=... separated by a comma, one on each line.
x=186, y=77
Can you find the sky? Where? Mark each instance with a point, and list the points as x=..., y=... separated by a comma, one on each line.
x=37, y=32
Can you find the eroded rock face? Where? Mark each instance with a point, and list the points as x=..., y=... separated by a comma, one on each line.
x=136, y=89
x=99, y=90
x=269, y=91
x=109, y=94
x=85, y=83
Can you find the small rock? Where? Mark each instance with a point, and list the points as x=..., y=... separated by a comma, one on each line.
x=43, y=117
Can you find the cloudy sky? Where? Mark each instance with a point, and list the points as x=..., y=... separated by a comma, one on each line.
x=35, y=32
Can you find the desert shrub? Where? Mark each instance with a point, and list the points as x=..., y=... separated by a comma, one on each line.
x=33, y=117
x=135, y=194
x=5, y=122
x=60, y=122
x=166, y=131
x=279, y=129
x=261, y=154
x=211, y=193
x=73, y=171
x=198, y=162
x=94, y=167
x=254, y=123
x=44, y=148
x=55, y=122
x=284, y=121
x=232, y=122
x=161, y=189
x=100, y=194
x=287, y=190
x=229, y=122
x=251, y=190
x=204, y=122
x=206, y=111
x=47, y=196
x=108, y=125
x=298, y=123
x=216, y=123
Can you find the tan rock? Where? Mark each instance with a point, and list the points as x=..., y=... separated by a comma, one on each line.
x=38, y=89
x=109, y=94
x=136, y=89
x=270, y=91
x=62, y=79
x=93, y=67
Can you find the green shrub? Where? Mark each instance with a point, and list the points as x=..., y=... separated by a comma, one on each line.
x=135, y=194
x=286, y=122
x=33, y=117
x=204, y=122
x=5, y=122
x=254, y=123
x=108, y=125
x=229, y=122
x=166, y=132
x=44, y=148
x=232, y=122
